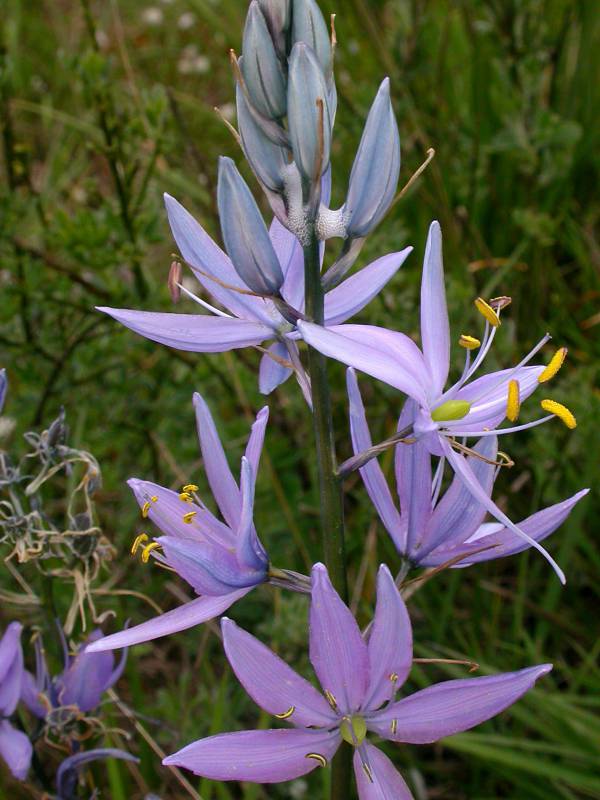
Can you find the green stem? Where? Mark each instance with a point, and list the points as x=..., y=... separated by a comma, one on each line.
x=330, y=489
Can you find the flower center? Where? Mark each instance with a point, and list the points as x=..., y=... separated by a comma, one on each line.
x=353, y=730
x=450, y=410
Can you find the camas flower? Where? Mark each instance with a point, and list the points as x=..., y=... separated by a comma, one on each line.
x=430, y=528
x=359, y=680
x=15, y=747
x=469, y=408
x=67, y=774
x=222, y=561
x=78, y=688
x=249, y=319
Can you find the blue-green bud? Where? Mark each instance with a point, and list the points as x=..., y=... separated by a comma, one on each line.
x=261, y=67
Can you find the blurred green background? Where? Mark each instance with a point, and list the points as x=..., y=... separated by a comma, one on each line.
x=106, y=105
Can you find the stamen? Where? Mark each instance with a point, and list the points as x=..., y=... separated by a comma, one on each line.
x=368, y=771
x=394, y=677
x=331, y=700
x=154, y=498
x=143, y=537
x=498, y=303
x=469, y=342
x=187, y=518
x=513, y=402
x=505, y=459
x=190, y=487
x=487, y=312
x=555, y=364
x=286, y=714
x=318, y=757
x=147, y=550
x=186, y=497
x=560, y=411
x=146, y=508
x=394, y=726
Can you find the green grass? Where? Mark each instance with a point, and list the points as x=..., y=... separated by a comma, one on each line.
x=505, y=92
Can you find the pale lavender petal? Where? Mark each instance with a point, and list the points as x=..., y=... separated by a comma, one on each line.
x=199, y=610
x=387, y=355
x=269, y=756
x=287, y=247
x=249, y=551
x=167, y=513
x=66, y=775
x=538, y=526
x=11, y=669
x=459, y=513
x=463, y=470
x=489, y=395
x=256, y=439
x=30, y=692
x=338, y=651
x=372, y=473
x=201, y=252
x=271, y=683
x=413, y=478
x=86, y=678
x=271, y=373
x=435, y=328
x=222, y=483
x=199, y=333
x=390, y=643
x=15, y=749
x=453, y=706
x=209, y=569
x=384, y=782
x=359, y=289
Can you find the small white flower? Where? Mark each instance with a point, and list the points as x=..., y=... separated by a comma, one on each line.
x=153, y=16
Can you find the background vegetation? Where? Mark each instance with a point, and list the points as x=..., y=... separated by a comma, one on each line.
x=106, y=105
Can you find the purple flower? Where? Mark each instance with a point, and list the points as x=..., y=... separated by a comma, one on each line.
x=3, y=387
x=68, y=771
x=430, y=528
x=469, y=408
x=359, y=680
x=248, y=319
x=15, y=747
x=222, y=561
x=80, y=686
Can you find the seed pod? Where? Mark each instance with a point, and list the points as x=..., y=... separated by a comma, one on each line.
x=244, y=232
x=308, y=113
x=261, y=67
x=374, y=176
x=267, y=159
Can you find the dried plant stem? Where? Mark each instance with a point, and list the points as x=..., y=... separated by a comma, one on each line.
x=330, y=490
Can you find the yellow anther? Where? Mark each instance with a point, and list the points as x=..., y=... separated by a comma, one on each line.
x=555, y=364
x=286, y=714
x=143, y=537
x=393, y=677
x=487, y=312
x=469, y=342
x=146, y=509
x=560, y=411
x=394, y=726
x=187, y=518
x=190, y=487
x=186, y=497
x=154, y=498
x=318, y=757
x=331, y=700
x=504, y=460
x=513, y=401
x=147, y=550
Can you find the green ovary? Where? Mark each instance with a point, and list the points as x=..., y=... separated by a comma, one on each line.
x=453, y=409
x=353, y=730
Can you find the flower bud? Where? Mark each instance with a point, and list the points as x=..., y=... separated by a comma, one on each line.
x=244, y=232
x=374, y=176
x=261, y=67
x=308, y=113
x=278, y=15
x=267, y=159
x=309, y=27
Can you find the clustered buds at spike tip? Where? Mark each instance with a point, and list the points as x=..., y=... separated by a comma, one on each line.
x=244, y=232
x=261, y=66
x=309, y=27
x=278, y=14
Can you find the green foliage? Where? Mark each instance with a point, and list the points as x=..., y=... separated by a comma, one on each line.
x=101, y=111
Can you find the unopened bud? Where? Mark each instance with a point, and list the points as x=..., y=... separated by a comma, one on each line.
x=268, y=160
x=278, y=15
x=244, y=233
x=374, y=176
x=309, y=26
x=261, y=67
